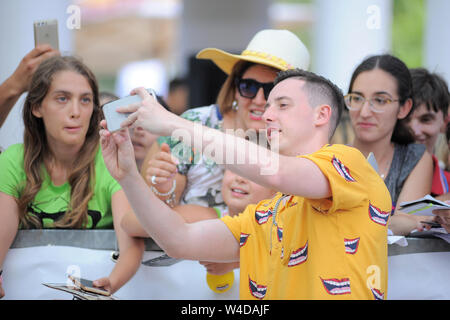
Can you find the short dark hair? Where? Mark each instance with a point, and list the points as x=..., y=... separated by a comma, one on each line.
x=320, y=90
x=397, y=69
x=430, y=89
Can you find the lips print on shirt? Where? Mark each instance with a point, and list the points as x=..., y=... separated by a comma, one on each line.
x=351, y=245
x=337, y=286
x=298, y=256
x=280, y=234
x=377, y=294
x=342, y=169
x=257, y=290
x=262, y=216
x=378, y=216
x=243, y=239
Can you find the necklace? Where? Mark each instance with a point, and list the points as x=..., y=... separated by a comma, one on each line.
x=386, y=171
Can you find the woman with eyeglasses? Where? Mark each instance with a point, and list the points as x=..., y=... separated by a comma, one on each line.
x=379, y=99
x=192, y=178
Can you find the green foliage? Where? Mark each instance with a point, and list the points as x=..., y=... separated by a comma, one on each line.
x=408, y=31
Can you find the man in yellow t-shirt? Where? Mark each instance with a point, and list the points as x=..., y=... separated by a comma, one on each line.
x=298, y=248
x=324, y=236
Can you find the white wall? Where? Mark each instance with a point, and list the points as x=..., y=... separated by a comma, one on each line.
x=17, y=39
x=346, y=32
x=437, y=38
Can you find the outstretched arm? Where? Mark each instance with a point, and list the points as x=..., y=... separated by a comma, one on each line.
x=189, y=212
x=130, y=248
x=9, y=224
x=208, y=240
x=256, y=163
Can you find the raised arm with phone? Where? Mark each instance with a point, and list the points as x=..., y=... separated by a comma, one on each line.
x=13, y=87
x=325, y=192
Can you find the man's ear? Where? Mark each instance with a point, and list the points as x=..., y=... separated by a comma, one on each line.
x=405, y=109
x=322, y=115
x=36, y=111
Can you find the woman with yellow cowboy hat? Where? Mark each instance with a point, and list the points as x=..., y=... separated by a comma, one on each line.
x=193, y=178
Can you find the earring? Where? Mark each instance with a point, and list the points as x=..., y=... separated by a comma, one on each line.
x=234, y=105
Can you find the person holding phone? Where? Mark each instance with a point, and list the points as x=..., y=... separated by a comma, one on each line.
x=57, y=178
x=316, y=238
x=13, y=87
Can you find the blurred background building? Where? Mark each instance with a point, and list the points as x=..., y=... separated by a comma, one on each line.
x=155, y=41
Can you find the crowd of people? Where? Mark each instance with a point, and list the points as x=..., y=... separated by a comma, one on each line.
x=319, y=220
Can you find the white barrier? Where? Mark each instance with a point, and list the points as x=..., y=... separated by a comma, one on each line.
x=413, y=273
x=27, y=268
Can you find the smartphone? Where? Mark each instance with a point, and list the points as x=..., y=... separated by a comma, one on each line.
x=46, y=32
x=114, y=118
x=432, y=224
x=87, y=285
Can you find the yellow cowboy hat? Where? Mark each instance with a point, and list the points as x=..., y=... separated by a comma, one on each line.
x=280, y=49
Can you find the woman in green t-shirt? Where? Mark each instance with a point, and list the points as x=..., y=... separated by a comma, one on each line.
x=57, y=178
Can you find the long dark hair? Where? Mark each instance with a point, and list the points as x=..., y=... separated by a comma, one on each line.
x=396, y=68
x=36, y=149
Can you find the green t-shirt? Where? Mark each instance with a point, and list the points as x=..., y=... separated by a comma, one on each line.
x=51, y=202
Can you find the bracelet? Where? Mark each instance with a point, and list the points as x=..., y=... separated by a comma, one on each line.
x=174, y=185
x=170, y=201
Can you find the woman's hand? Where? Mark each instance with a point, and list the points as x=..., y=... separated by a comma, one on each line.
x=443, y=217
x=21, y=77
x=117, y=152
x=162, y=169
x=148, y=114
x=402, y=223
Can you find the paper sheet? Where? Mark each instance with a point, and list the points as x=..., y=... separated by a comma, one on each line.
x=423, y=206
x=399, y=240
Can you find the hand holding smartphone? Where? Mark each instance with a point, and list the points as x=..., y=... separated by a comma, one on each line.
x=432, y=224
x=46, y=32
x=114, y=118
x=88, y=285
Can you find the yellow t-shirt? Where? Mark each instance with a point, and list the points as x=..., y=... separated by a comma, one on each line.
x=332, y=248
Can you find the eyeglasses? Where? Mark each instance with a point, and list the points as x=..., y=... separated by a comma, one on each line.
x=377, y=104
x=248, y=88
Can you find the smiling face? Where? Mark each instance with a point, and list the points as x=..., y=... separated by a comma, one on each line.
x=66, y=109
x=238, y=192
x=370, y=126
x=250, y=111
x=289, y=117
x=426, y=125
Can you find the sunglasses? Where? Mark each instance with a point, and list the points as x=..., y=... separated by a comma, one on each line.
x=248, y=88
